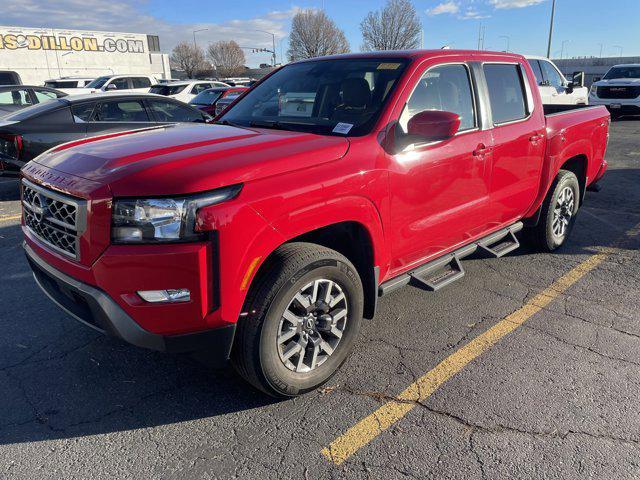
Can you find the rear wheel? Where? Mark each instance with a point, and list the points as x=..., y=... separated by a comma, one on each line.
x=304, y=313
x=558, y=214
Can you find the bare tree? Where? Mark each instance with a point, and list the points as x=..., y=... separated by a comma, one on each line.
x=227, y=57
x=189, y=58
x=395, y=27
x=313, y=34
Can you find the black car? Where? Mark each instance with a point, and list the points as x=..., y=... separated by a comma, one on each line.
x=27, y=133
x=9, y=77
x=17, y=97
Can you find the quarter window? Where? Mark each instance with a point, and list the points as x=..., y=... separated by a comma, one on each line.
x=141, y=82
x=506, y=92
x=446, y=88
x=120, y=83
x=43, y=95
x=172, y=112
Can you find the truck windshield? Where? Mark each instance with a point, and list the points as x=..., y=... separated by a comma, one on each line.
x=98, y=82
x=622, y=72
x=332, y=96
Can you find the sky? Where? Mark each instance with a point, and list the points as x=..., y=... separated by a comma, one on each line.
x=582, y=27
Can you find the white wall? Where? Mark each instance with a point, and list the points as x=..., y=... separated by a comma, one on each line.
x=39, y=54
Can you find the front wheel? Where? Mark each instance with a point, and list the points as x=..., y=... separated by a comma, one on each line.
x=303, y=316
x=558, y=214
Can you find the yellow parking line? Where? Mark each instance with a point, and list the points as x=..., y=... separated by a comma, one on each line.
x=7, y=218
x=373, y=425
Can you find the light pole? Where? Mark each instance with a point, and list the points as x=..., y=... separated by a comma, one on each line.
x=601, y=48
x=553, y=12
x=562, y=48
x=508, y=38
x=273, y=38
x=194, y=35
x=619, y=47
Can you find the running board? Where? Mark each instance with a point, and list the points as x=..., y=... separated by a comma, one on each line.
x=438, y=274
x=499, y=247
x=443, y=271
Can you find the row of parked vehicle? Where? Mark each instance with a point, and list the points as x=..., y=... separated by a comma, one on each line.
x=34, y=119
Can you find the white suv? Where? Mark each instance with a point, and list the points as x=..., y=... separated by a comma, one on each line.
x=115, y=83
x=619, y=90
x=185, y=90
x=68, y=82
x=555, y=89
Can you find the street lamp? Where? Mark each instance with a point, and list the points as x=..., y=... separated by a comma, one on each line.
x=507, y=38
x=553, y=12
x=194, y=35
x=273, y=38
x=562, y=48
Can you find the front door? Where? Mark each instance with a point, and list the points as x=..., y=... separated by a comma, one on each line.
x=439, y=191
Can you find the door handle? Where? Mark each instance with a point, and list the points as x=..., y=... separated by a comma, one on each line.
x=481, y=150
x=536, y=138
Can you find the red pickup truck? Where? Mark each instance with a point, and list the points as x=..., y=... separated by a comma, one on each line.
x=267, y=238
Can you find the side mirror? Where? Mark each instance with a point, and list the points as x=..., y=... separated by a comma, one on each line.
x=433, y=125
x=111, y=86
x=578, y=79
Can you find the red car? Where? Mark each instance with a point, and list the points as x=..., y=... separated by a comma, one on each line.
x=332, y=182
x=207, y=99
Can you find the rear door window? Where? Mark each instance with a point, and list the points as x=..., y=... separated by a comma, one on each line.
x=122, y=111
x=537, y=71
x=172, y=112
x=506, y=92
x=82, y=112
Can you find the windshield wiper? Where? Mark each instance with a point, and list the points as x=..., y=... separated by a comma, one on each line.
x=280, y=125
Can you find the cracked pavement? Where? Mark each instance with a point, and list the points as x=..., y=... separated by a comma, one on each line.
x=555, y=399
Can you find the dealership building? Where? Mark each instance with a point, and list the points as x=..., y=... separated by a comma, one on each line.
x=39, y=54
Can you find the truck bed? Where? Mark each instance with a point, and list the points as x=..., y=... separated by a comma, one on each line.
x=550, y=109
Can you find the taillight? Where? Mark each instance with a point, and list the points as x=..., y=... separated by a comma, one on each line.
x=10, y=145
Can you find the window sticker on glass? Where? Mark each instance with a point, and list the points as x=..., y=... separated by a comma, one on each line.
x=296, y=104
x=388, y=66
x=342, y=128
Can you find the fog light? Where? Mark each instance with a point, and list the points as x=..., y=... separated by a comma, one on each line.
x=169, y=295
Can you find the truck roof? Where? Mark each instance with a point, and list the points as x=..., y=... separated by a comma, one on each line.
x=413, y=54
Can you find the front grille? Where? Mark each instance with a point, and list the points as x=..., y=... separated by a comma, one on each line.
x=619, y=92
x=57, y=220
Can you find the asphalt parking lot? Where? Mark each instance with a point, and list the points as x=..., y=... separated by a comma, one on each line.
x=527, y=368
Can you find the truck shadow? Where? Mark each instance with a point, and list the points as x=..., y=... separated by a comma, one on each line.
x=59, y=379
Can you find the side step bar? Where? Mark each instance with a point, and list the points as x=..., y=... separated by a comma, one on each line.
x=443, y=271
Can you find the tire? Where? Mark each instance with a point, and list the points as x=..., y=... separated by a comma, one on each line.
x=560, y=206
x=305, y=271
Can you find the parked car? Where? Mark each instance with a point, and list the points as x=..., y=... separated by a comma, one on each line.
x=9, y=77
x=27, y=133
x=268, y=238
x=618, y=90
x=184, y=91
x=207, y=100
x=115, y=83
x=16, y=97
x=555, y=89
x=237, y=81
x=69, y=82
x=223, y=103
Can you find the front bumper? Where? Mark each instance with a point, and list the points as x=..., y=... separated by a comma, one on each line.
x=98, y=310
x=623, y=106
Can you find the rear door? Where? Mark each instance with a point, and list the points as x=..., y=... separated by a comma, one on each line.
x=440, y=190
x=140, y=84
x=518, y=138
x=52, y=128
x=118, y=115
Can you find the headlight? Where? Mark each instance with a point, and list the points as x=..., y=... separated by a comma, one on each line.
x=154, y=220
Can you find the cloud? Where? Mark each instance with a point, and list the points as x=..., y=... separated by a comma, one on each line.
x=514, y=3
x=472, y=14
x=445, y=7
x=128, y=16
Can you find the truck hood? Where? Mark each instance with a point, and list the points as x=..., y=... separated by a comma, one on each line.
x=189, y=158
x=618, y=82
